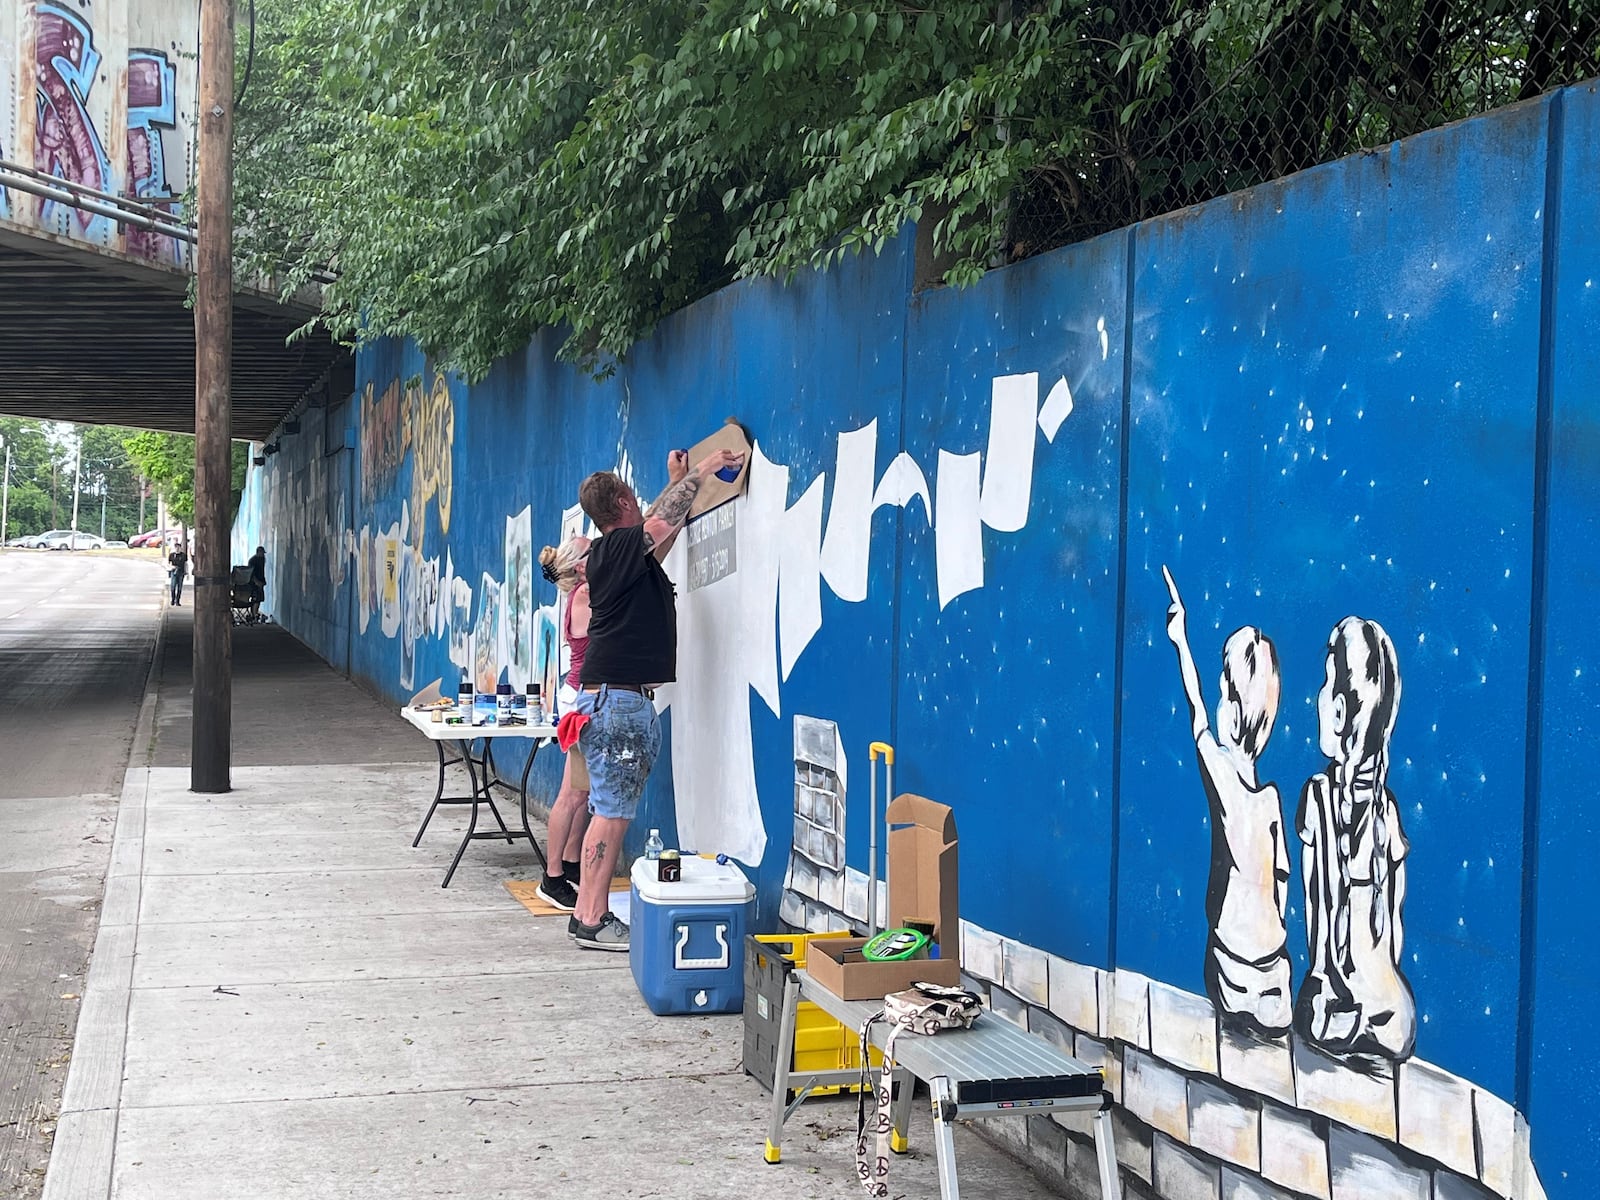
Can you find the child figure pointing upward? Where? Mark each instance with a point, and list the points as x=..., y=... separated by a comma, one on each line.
x=1247, y=957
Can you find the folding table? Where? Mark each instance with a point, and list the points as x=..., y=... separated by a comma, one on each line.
x=482, y=775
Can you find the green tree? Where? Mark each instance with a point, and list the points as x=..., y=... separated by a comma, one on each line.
x=167, y=461
x=34, y=460
x=478, y=169
x=109, y=473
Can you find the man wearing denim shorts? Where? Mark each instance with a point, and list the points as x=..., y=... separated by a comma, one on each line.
x=633, y=645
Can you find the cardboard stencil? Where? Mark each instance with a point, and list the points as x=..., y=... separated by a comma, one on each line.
x=715, y=492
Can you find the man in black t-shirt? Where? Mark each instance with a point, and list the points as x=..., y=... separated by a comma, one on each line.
x=177, y=567
x=633, y=645
x=258, y=581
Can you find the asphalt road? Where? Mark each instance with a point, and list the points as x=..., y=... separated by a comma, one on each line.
x=76, y=635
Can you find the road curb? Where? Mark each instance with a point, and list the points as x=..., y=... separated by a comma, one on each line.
x=83, y=1155
x=144, y=729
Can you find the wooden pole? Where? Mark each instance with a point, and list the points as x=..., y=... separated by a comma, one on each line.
x=211, y=744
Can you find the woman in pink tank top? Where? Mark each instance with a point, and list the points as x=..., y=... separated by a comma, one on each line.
x=569, y=815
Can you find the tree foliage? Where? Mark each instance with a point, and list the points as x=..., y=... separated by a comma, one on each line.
x=44, y=462
x=478, y=169
x=167, y=461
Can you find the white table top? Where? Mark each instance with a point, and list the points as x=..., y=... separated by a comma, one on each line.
x=438, y=731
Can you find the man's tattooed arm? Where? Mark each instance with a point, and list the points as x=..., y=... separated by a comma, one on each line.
x=671, y=508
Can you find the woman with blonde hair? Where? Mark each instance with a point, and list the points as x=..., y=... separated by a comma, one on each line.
x=569, y=815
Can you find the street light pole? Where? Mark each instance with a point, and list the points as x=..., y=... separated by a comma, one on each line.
x=77, y=483
x=5, y=495
x=212, y=724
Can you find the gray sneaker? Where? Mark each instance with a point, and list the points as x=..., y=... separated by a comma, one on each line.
x=610, y=934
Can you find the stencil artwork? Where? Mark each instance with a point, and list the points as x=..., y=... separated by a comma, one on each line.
x=1247, y=953
x=460, y=623
x=1354, y=998
x=486, y=637
x=518, y=599
x=814, y=888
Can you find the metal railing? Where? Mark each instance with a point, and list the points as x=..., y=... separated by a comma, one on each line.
x=125, y=210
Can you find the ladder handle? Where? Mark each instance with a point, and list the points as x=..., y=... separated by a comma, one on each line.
x=883, y=749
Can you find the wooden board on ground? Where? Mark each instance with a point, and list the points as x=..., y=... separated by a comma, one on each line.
x=525, y=892
x=715, y=492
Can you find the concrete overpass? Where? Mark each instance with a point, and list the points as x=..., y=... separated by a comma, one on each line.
x=97, y=133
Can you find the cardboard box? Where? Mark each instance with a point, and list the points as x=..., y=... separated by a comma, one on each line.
x=924, y=885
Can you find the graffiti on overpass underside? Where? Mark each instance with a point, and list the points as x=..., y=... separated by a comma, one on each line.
x=68, y=146
x=152, y=112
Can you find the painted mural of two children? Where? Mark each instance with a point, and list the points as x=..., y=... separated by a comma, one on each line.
x=1353, y=999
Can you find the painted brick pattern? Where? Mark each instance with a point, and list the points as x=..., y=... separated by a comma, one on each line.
x=1210, y=1113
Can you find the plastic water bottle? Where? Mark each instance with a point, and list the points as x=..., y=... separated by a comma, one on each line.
x=654, y=846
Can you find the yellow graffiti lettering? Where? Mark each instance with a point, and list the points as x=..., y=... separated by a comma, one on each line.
x=431, y=423
x=418, y=418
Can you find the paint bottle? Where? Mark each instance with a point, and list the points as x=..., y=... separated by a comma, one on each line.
x=504, y=704
x=519, y=708
x=483, y=708
x=464, y=698
x=536, y=715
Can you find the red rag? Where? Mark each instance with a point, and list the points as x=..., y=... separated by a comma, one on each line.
x=568, y=729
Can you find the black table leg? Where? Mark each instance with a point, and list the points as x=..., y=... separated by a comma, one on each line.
x=490, y=778
x=438, y=793
x=472, y=824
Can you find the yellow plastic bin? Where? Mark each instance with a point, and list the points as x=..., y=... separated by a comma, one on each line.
x=820, y=1042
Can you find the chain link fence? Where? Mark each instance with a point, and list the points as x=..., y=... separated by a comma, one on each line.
x=1302, y=83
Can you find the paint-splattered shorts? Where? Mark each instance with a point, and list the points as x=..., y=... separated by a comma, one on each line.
x=619, y=745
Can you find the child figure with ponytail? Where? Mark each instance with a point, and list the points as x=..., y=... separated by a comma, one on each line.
x=1354, y=998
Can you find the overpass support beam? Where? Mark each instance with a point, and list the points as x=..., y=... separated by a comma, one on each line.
x=211, y=748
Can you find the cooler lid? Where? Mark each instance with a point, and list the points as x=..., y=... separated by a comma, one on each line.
x=705, y=881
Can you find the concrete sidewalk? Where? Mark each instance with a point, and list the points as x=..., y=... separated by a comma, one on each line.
x=283, y=1002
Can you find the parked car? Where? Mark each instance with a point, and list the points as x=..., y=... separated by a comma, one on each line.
x=35, y=541
x=72, y=541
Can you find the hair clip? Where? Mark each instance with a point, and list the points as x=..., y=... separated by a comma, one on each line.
x=550, y=573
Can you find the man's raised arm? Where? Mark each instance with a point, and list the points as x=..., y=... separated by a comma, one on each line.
x=671, y=508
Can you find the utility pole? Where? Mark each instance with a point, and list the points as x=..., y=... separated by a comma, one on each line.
x=5, y=496
x=211, y=745
x=144, y=490
x=102, y=512
x=77, y=481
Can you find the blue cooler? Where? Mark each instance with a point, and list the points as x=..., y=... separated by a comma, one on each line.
x=687, y=938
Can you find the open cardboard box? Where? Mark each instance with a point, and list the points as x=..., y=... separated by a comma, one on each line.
x=923, y=886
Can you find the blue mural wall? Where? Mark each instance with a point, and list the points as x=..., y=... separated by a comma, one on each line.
x=1366, y=391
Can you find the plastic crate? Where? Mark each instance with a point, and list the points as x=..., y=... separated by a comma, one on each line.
x=820, y=1042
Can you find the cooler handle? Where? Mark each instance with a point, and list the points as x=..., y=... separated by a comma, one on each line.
x=700, y=964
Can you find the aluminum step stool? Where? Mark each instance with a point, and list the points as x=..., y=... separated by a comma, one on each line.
x=993, y=1069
